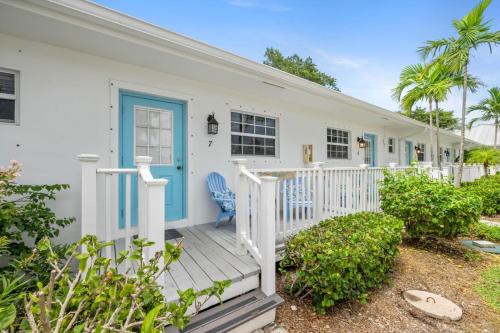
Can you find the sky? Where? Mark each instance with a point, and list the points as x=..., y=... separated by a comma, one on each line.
x=364, y=44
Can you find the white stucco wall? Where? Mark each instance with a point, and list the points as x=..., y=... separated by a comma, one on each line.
x=65, y=99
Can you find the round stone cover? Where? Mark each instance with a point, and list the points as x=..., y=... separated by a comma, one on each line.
x=433, y=305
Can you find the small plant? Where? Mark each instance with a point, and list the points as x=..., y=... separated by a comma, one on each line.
x=428, y=207
x=10, y=287
x=342, y=258
x=24, y=211
x=97, y=298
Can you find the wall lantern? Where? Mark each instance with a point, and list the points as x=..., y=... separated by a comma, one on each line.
x=361, y=143
x=213, y=124
x=417, y=150
x=447, y=153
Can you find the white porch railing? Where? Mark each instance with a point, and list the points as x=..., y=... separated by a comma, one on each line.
x=100, y=205
x=305, y=196
x=256, y=216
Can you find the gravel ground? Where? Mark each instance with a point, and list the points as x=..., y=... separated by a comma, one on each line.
x=386, y=311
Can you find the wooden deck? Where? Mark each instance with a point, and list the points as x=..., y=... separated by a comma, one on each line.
x=209, y=255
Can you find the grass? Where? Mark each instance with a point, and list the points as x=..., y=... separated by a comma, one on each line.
x=489, y=287
x=484, y=231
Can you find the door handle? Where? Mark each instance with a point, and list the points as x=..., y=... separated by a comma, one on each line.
x=179, y=167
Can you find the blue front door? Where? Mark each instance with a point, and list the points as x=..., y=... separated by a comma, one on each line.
x=371, y=149
x=154, y=126
x=408, y=152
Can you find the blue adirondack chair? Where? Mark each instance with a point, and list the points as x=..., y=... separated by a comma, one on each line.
x=293, y=191
x=223, y=196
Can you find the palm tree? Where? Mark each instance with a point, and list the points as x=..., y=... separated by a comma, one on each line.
x=442, y=80
x=490, y=109
x=472, y=32
x=414, y=86
x=432, y=83
x=484, y=155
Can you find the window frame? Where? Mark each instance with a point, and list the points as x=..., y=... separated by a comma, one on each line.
x=422, y=147
x=391, y=146
x=349, y=144
x=14, y=97
x=275, y=137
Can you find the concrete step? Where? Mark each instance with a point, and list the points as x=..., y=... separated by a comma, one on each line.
x=233, y=314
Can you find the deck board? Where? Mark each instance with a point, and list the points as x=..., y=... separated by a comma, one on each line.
x=208, y=256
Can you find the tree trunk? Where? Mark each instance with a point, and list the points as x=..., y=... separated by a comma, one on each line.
x=431, y=146
x=437, y=137
x=496, y=133
x=458, y=181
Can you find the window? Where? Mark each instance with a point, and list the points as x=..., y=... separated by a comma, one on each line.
x=153, y=134
x=338, y=143
x=391, y=142
x=253, y=135
x=9, y=103
x=447, y=155
x=421, y=153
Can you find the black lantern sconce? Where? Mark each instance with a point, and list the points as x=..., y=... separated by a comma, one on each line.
x=361, y=142
x=213, y=124
x=447, y=153
x=417, y=150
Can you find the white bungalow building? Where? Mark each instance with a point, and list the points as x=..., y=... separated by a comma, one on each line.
x=77, y=78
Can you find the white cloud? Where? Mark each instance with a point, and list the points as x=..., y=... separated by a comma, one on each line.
x=267, y=5
x=335, y=61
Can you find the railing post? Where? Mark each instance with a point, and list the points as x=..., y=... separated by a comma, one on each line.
x=89, y=194
x=267, y=235
x=151, y=207
x=319, y=196
x=364, y=188
x=241, y=192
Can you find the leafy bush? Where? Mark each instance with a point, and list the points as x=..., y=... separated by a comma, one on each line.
x=98, y=298
x=488, y=189
x=428, y=207
x=484, y=231
x=342, y=258
x=24, y=211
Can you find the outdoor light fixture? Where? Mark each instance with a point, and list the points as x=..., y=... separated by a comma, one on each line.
x=417, y=150
x=213, y=124
x=361, y=142
x=447, y=153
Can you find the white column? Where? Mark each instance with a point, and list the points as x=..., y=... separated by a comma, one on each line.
x=268, y=238
x=151, y=206
x=89, y=194
x=241, y=191
x=319, y=196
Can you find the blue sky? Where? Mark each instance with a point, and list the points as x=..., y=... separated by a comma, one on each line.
x=363, y=43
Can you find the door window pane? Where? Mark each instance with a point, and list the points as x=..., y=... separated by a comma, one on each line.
x=153, y=134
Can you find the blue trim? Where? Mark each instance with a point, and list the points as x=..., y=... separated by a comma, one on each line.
x=175, y=190
x=409, y=152
x=373, y=147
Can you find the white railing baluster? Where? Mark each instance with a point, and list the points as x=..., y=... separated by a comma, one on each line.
x=107, y=220
x=128, y=215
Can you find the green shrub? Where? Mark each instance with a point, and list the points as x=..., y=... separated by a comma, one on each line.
x=488, y=189
x=484, y=231
x=24, y=211
x=342, y=258
x=428, y=207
